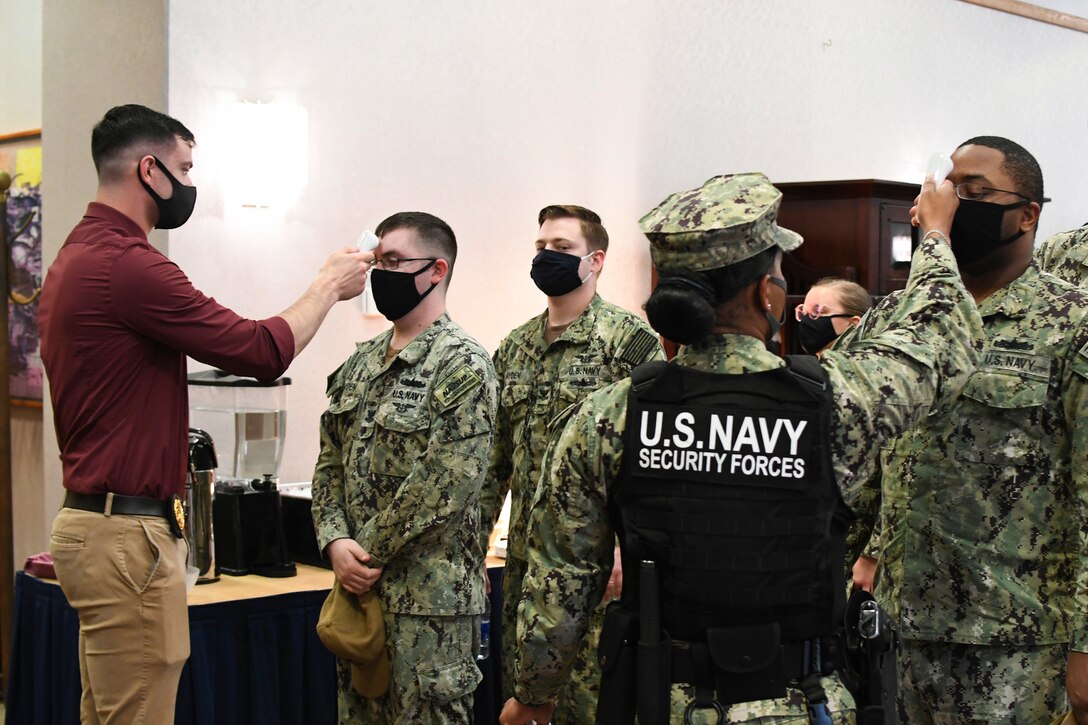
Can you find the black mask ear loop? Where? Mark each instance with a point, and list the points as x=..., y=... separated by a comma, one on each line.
x=776, y=325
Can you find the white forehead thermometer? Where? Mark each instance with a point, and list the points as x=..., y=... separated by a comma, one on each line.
x=940, y=166
x=368, y=240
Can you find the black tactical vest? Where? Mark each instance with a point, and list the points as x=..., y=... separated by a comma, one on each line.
x=727, y=486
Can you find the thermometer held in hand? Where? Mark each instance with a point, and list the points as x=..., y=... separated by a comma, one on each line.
x=940, y=166
x=368, y=240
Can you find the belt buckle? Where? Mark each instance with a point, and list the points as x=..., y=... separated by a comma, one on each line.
x=177, y=521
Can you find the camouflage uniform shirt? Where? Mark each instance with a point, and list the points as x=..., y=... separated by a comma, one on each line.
x=538, y=381
x=404, y=449
x=880, y=387
x=1065, y=255
x=983, y=506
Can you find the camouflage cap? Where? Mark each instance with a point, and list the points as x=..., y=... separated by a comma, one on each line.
x=726, y=220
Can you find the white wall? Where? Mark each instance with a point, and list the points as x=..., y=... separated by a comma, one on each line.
x=483, y=112
x=21, y=81
x=94, y=56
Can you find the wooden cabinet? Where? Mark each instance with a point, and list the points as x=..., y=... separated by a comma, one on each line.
x=859, y=230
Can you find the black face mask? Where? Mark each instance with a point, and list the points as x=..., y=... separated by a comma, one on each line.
x=176, y=210
x=815, y=335
x=395, y=293
x=556, y=273
x=976, y=229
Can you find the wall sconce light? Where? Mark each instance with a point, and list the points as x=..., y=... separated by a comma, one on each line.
x=268, y=151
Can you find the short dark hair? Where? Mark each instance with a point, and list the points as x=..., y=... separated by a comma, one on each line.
x=1019, y=164
x=595, y=234
x=124, y=127
x=684, y=305
x=434, y=234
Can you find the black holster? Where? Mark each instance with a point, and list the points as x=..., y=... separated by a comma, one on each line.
x=871, y=641
x=617, y=653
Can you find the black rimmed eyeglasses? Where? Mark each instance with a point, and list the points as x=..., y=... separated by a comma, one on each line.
x=973, y=191
x=390, y=263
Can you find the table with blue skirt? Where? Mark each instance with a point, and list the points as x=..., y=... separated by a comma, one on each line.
x=255, y=655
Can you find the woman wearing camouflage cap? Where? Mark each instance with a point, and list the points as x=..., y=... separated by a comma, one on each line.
x=728, y=475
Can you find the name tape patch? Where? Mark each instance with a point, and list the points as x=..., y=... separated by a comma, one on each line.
x=460, y=382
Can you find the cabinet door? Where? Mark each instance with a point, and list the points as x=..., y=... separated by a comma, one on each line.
x=895, y=245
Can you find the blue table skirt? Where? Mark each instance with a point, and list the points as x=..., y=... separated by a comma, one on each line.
x=253, y=661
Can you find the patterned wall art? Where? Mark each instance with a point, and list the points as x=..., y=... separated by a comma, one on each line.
x=21, y=190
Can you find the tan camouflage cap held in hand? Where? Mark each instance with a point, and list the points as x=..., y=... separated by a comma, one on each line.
x=352, y=628
x=726, y=220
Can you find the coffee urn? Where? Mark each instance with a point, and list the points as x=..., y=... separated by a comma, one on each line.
x=199, y=498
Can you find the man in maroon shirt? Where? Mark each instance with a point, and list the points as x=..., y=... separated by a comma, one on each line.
x=118, y=319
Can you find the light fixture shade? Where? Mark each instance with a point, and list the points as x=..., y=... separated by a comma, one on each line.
x=268, y=151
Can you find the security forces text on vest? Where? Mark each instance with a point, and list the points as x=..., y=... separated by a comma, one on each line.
x=705, y=441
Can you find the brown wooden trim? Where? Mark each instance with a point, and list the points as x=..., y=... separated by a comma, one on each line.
x=26, y=403
x=21, y=135
x=1034, y=12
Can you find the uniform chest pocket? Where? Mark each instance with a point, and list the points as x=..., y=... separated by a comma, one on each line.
x=348, y=415
x=400, y=437
x=1004, y=424
x=513, y=395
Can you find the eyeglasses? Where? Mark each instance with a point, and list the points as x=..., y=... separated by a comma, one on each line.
x=973, y=191
x=816, y=312
x=390, y=263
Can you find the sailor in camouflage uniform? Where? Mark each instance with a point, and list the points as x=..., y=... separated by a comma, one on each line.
x=983, y=517
x=579, y=344
x=404, y=447
x=1065, y=255
x=877, y=389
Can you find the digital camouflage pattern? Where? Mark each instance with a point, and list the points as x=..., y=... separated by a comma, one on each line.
x=419, y=691
x=537, y=382
x=880, y=387
x=404, y=450
x=1065, y=255
x=726, y=220
x=979, y=684
x=982, y=520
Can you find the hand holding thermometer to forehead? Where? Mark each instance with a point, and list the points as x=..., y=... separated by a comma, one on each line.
x=939, y=167
x=368, y=242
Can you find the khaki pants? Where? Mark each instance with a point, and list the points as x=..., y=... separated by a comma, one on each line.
x=125, y=577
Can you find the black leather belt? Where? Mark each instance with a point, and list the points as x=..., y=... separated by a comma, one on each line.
x=129, y=506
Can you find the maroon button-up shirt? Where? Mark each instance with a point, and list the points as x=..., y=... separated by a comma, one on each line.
x=117, y=320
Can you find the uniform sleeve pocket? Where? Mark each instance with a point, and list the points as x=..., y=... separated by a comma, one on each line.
x=449, y=682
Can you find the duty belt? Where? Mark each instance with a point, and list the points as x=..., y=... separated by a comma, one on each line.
x=797, y=661
x=114, y=503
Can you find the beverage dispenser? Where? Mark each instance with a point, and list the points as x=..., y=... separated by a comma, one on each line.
x=199, y=495
x=247, y=418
